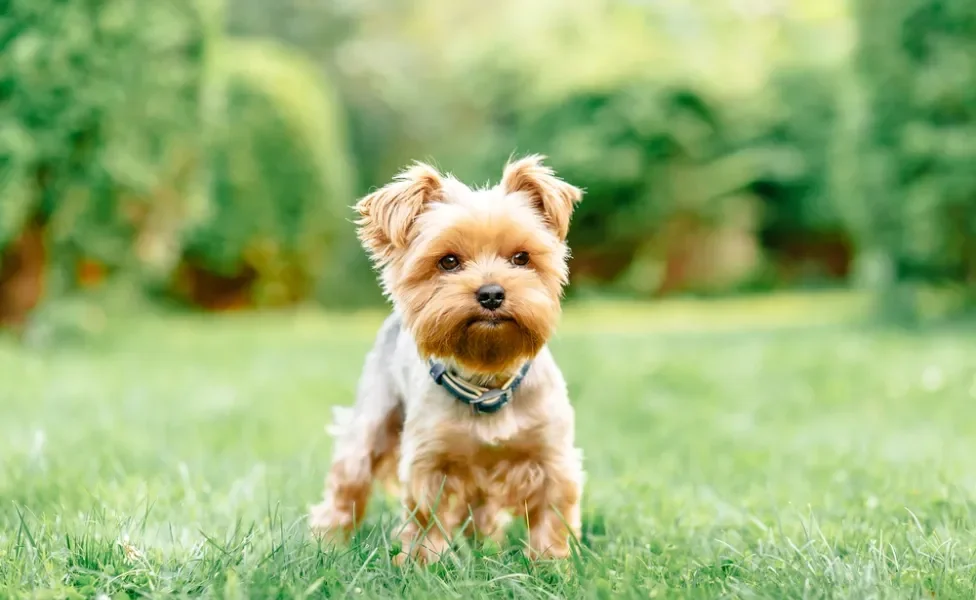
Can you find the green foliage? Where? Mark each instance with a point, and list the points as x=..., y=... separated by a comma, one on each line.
x=16, y=192
x=627, y=147
x=918, y=63
x=100, y=123
x=282, y=178
x=625, y=100
x=144, y=135
x=796, y=131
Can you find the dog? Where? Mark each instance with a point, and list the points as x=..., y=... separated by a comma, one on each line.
x=461, y=406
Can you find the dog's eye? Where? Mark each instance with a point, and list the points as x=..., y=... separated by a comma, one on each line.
x=520, y=259
x=449, y=263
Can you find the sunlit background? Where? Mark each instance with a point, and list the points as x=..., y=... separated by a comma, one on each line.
x=751, y=167
x=211, y=150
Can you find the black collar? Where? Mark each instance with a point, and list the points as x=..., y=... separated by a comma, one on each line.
x=480, y=399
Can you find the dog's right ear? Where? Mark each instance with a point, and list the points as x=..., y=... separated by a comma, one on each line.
x=552, y=197
x=386, y=216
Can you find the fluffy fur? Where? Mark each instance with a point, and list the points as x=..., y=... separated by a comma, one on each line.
x=456, y=470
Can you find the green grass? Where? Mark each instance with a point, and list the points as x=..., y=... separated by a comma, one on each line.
x=745, y=461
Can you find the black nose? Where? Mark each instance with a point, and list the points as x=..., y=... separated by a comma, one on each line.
x=490, y=295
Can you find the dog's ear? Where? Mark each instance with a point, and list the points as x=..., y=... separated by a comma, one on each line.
x=552, y=197
x=387, y=215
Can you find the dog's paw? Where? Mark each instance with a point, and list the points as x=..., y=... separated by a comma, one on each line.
x=555, y=552
x=327, y=524
x=419, y=557
x=400, y=559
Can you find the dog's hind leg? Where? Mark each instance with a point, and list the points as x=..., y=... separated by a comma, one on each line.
x=367, y=440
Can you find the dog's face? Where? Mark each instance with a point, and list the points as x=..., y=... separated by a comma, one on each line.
x=476, y=274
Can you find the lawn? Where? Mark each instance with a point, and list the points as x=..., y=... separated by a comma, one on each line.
x=749, y=457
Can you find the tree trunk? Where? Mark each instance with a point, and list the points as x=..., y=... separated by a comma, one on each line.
x=213, y=292
x=22, y=269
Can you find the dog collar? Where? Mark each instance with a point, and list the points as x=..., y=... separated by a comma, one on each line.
x=480, y=399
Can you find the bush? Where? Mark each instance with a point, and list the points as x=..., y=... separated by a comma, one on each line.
x=138, y=139
x=917, y=61
x=282, y=183
x=601, y=88
x=101, y=124
x=647, y=156
x=804, y=228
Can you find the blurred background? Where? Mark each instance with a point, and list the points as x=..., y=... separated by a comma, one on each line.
x=205, y=153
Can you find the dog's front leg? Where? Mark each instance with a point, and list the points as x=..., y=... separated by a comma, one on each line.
x=430, y=508
x=554, y=514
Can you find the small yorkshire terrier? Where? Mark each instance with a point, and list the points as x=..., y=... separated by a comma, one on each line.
x=461, y=406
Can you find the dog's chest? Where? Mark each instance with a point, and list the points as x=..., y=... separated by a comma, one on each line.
x=489, y=440
x=510, y=427
x=504, y=471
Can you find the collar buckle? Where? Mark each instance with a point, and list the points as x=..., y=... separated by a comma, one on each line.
x=491, y=400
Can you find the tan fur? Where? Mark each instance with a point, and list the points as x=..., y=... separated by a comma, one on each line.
x=457, y=470
x=554, y=198
x=387, y=215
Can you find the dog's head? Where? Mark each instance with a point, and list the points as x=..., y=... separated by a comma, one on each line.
x=476, y=274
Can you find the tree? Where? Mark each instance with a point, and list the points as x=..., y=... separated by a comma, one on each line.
x=917, y=60
x=139, y=138
x=282, y=183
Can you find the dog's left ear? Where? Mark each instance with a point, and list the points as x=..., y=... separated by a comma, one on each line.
x=552, y=197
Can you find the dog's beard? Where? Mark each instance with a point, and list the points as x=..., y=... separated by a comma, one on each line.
x=478, y=340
